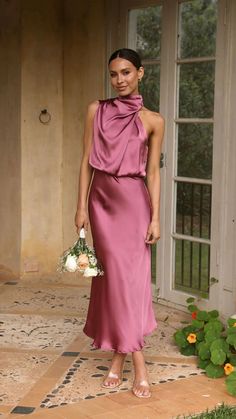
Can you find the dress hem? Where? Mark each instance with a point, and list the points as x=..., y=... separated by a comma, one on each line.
x=105, y=348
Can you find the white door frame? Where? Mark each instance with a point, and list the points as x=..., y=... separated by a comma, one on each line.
x=117, y=39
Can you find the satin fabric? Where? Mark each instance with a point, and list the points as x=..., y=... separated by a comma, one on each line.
x=119, y=139
x=120, y=310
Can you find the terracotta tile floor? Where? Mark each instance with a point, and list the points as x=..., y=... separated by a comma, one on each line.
x=49, y=370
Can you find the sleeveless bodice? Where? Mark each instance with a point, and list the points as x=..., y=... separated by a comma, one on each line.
x=120, y=143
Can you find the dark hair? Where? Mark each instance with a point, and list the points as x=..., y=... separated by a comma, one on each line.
x=127, y=54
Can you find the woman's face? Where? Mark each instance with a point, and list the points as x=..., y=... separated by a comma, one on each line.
x=124, y=76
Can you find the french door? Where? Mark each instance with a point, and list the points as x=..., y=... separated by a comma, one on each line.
x=179, y=42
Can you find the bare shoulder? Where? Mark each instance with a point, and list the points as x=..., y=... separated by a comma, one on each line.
x=154, y=122
x=92, y=107
x=154, y=119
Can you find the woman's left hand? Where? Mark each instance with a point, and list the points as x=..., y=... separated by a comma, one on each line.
x=153, y=233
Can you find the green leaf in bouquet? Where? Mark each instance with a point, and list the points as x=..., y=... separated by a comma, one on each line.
x=192, y=308
x=190, y=300
x=180, y=339
x=202, y=363
x=213, y=314
x=214, y=325
x=203, y=315
x=231, y=339
x=231, y=383
x=188, y=350
x=198, y=324
x=218, y=356
x=214, y=371
x=204, y=350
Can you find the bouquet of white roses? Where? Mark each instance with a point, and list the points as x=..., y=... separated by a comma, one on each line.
x=80, y=257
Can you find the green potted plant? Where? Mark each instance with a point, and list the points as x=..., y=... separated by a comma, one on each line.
x=212, y=342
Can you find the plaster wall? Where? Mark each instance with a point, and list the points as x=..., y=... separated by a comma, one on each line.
x=10, y=158
x=84, y=81
x=41, y=144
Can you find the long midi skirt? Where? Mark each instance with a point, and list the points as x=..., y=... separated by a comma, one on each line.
x=120, y=311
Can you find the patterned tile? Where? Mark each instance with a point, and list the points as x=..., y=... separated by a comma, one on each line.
x=83, y=379
x=19, y=372
x=38, y=332
x=52, y=299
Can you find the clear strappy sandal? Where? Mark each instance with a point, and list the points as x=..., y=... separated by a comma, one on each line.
x=142, y=383
x=112, y=375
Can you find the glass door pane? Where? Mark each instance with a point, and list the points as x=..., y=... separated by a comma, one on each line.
x=194, y=145
x=144, y=36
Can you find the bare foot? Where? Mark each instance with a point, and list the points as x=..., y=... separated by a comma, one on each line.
x=114, y=376
x=141, y=386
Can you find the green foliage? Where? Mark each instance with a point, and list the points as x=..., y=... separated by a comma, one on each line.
x=231, y=339
x=231, y=383
x=198, y=324
x=202, y=363
x=232, y=359
x=204, y=351
x=215, y=346
x=213, y=314
x=180, y=339
x=218, y=356
x=203, y=315
x=220, y=343
x=214, y=371
x=231, y=322
x=192, y=308
x=213, y=326
x=190, y=300
x=211, y=335
x=220, y=412
x=188, y=350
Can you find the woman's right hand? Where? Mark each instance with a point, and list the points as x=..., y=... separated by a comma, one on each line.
x=81, y=220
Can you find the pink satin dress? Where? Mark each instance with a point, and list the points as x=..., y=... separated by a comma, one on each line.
x=120, y=311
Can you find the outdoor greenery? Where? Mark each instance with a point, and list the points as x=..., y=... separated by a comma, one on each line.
x=192, y=267
x=196, y=38
x=220, y=412
x=213, y=343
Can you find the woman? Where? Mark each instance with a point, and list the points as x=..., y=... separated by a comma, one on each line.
x=122, y=145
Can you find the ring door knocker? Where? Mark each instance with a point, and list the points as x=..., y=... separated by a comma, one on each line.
x=45, y=117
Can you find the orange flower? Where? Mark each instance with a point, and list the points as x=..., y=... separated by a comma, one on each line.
x=228, y=368
x=192, y=338
x=234, y=325
x=83, y=261
x=194, y=315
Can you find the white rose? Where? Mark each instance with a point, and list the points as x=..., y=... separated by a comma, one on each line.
x=90, y=272
x=71, y=263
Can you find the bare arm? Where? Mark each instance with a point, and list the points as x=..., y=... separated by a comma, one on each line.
x=86, y=171
x=153, y=175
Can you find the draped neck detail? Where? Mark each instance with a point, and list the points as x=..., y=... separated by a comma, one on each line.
x=130, y=103
x=115, y=123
